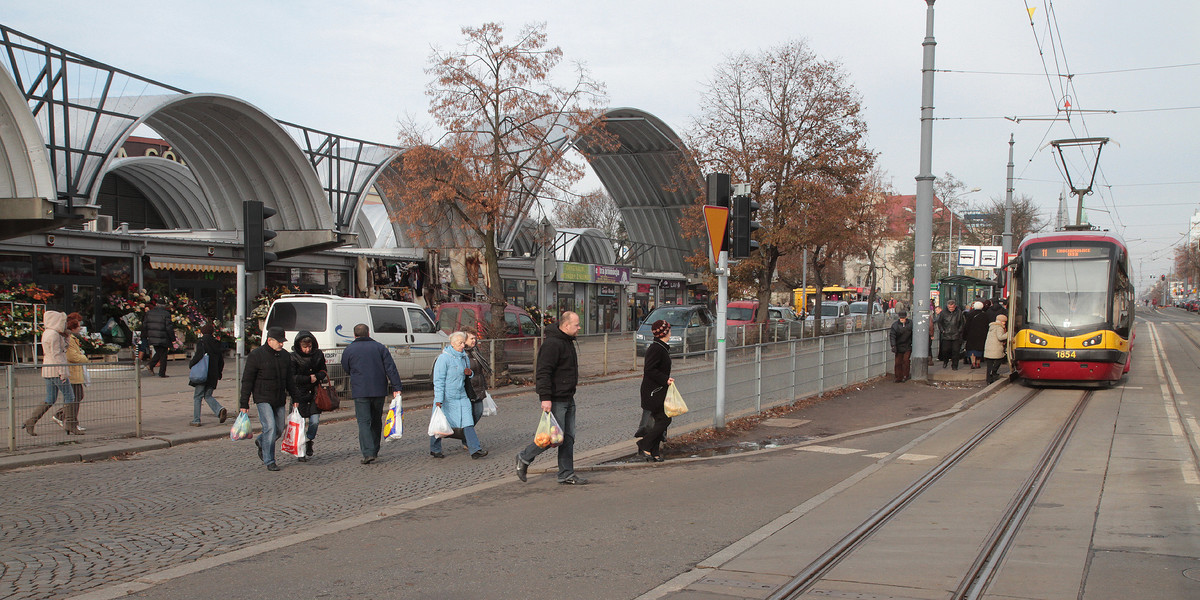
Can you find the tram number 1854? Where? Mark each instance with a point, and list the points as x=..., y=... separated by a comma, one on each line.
x=1065, y=354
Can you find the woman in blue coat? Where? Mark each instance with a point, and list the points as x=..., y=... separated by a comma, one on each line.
x=450, y=373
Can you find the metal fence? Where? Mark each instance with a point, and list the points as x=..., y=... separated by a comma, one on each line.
x=110, y=407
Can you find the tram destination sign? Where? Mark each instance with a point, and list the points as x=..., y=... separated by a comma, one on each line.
x=1069, y=252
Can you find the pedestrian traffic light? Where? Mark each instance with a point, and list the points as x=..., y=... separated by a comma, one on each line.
x=744, y=226
x=255, y=236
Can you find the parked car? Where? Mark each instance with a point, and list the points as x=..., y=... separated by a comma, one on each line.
x=519, y=327
x=741, y=312
x=691, y=323
x=403, y=327
x=832, y=315
x=860, y=308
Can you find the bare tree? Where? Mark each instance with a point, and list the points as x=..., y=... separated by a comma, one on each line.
x=595, y=209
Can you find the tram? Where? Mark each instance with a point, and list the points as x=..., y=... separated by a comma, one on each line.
x=1071, y=309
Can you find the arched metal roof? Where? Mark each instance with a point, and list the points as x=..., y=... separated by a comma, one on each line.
x=650, y=178
x=174, y=192
x=24, y=166
x=583, y=246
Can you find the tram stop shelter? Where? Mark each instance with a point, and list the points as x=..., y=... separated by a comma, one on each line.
x=963, y=289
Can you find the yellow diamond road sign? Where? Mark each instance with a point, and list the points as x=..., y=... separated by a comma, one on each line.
x=716, y=218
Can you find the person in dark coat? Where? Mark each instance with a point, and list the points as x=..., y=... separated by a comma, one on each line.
x=975, y=333
x=557, y=376
x=371, y=367
x=950, y=323
x=478, y=384
x=900, y=338
x=269, y=376
x=208, y=346
x=655, y=380
x=159, y=333
x=308, y=362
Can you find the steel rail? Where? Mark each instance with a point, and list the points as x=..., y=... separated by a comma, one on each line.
x=996, y=546
x=799, y=584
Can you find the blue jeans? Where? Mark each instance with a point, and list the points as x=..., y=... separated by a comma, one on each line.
x=310, y=432
x=56, y=386
x=273, y=421
x=206, y=394
x=369, y=412
x=564, y=413
x=473, y=445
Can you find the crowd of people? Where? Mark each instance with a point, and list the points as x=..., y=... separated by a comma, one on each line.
x=977, y=337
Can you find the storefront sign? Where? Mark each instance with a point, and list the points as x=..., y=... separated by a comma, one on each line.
x=644, y=288
x=579, y=272
x=606, y=274
x=607, y=290
x=668, y=284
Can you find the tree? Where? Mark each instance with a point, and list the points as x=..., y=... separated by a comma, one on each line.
x=595, y=209
x=505, y=126
x=869, y=213
x=1026, y=219
x=1187, y=262
x=788, y=124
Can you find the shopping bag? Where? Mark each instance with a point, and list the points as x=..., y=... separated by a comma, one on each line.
x=489, y=405
x=439, y=425
x=674, y=405
x=548, y=434
x=198, y=375
x=326, y=397
x=393, y=420
x=241, y=428
x=293, y=434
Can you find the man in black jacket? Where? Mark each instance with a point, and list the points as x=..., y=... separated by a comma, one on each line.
x=950, y=323
x=270, y=376
x=900, y=337
x=557, y=375
x=158, y=332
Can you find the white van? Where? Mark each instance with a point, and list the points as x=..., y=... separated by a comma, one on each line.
x=413, y=338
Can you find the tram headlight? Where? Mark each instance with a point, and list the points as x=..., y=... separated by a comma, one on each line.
x=1037, y=340
x=1094, y=340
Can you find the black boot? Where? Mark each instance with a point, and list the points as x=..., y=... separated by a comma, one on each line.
x=308, y=448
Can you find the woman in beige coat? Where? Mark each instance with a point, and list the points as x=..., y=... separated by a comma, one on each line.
x=995, y=348
x=54, y=369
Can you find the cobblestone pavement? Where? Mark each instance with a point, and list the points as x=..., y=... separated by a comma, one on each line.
x=70, y=528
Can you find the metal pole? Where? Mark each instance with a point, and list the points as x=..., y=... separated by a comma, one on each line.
x=757, y=377
x=239, y=324
x=137, y=407
x=821, y=365
x=804, y=282
x=923, y=217
x=722, y=306
x=606, y=353
x=12, y=407
x=492, y=364
x=1008, y=201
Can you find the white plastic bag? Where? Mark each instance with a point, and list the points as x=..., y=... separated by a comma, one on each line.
x=674, y=405
x=293, y=434
x=489, y=405
x=393, y=420
x=439, y=426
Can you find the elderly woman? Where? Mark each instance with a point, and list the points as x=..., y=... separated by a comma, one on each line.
x=656, y=378
x=450, y=374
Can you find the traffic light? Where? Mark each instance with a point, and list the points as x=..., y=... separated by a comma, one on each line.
x=255, y=235
x=743, y=227
x=718, y=189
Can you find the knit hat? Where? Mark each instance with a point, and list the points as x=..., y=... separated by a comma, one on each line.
x=660, y=328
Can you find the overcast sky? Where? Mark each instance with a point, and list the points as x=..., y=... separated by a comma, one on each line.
x=355, y=67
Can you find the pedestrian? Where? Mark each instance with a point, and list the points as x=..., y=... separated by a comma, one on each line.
x=78, y=375
x=308, y=363
x=371, y=367
x=477, y=384
x=656, y=378
x=557, y=376
x=900, y=338
x=269, y=376
x=451, y=372
x=950, y=324
x=159, y=333
x=975, y=332
x=996, y=348
x=208, y=346
x=54, y=371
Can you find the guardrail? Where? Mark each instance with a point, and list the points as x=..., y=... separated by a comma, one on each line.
x=110, y=408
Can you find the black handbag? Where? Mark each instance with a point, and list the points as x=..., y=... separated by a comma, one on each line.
x=470, y=389
x=644, y=427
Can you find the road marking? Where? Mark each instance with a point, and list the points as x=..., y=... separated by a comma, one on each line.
x=909, y=457
x=830, y=449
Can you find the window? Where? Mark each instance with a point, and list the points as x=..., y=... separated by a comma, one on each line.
x=298, y=316
x=897, y=286
x=528, y=329
x=1068, y=293
x=389, y=319
x=448, y=319
x=510, y=324
x=420, y=321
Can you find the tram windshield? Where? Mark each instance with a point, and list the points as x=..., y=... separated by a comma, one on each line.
x=1068, y=293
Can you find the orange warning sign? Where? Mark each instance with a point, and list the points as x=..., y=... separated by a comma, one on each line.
x=717, y=218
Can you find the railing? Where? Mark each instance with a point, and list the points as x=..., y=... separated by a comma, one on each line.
x=111, y=405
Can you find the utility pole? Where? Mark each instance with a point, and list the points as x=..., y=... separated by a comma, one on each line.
x=923, y=224
x=1008, y=201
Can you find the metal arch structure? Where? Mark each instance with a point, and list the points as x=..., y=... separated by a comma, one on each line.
x=651, y=180
x=584, y=245
x=24, y=166
x=174, y=192
x=347, y=167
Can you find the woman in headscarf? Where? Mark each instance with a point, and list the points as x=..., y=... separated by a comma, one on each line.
x=656, y=378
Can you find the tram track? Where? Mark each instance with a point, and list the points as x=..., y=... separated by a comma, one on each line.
x=975, y=581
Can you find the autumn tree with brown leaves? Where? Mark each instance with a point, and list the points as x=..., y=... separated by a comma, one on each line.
x=789, y=124
x=505, y=125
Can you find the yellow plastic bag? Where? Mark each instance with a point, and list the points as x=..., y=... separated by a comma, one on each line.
x=548, y=434
x=674, y=405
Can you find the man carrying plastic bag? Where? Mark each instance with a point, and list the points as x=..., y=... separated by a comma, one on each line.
x=557, y=376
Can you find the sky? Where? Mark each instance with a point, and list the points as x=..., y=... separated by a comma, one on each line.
x=357, y=68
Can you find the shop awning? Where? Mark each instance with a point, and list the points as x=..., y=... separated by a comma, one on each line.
x=192, y=264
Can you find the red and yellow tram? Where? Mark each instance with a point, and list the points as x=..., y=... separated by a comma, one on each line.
x=1071, y=309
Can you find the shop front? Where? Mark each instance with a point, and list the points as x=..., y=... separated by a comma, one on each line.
x=595, y=292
